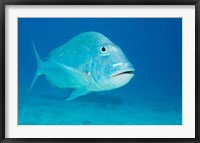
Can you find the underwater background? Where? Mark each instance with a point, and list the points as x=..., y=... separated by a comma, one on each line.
x=152, y=97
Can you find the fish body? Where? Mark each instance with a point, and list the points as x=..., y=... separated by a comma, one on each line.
x=87, y=63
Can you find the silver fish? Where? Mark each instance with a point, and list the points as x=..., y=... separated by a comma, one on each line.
x=87, y=63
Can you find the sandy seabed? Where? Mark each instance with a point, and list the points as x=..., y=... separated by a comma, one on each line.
x=48, y=110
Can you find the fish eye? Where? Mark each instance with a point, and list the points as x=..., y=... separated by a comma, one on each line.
x=103, y=49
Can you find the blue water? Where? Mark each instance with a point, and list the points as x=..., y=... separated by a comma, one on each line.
x=152, y=97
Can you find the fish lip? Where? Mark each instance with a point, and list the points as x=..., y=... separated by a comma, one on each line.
x=123, y=72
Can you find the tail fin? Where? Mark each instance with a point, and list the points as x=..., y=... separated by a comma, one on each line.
x=38, y=72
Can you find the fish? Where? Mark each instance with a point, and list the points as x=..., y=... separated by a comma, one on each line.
x=89, y=62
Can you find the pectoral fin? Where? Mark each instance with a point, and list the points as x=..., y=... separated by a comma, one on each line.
x=76, y=93
x=63, y=76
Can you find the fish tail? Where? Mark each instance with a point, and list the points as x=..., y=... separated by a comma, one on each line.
x=39, y=65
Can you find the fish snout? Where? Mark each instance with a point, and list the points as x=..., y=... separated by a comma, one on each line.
x=124, y=69
x=122, y=75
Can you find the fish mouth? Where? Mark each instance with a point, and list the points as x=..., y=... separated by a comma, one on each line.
x=121, y=73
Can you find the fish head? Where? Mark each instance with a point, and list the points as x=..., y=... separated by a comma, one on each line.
x=111, y=69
